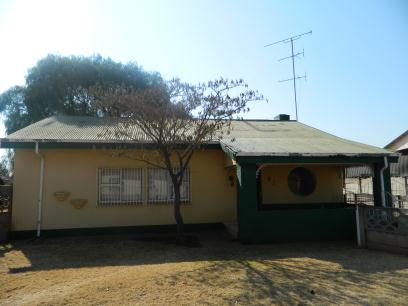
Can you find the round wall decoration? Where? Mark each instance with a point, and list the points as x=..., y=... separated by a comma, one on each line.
x=301, y=181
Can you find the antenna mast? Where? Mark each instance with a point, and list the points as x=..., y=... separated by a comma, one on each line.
x=294, y=77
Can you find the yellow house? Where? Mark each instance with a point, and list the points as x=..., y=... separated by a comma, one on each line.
x=275, y=179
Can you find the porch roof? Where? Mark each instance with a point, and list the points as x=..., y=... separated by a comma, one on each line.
x=291, y=138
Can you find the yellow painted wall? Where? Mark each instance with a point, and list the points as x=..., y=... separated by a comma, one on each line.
x=275, y=187
x=75, y=170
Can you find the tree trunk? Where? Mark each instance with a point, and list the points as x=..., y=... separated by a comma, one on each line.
x=177, y=213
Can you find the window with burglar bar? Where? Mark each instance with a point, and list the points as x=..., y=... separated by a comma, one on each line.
x=161, y=187
x=120, y=186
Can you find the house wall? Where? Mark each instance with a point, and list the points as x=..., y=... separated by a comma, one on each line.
x=275, y=189
x=75, y=171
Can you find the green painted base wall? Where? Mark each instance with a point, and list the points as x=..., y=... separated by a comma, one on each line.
x=122, y=230
x=299, y=225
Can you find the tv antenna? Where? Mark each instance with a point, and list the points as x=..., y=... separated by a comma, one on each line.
x=294, y=76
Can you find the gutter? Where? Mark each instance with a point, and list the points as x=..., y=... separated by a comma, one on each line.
x=40, y=194
x=383, y=199
x=282, y=154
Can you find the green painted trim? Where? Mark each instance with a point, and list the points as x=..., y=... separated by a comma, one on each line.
x=387, y=187
x=89, y=145
x=297, y=159
x=285, y=206
x=377, y=184
x=166, y=228
x=247, y=199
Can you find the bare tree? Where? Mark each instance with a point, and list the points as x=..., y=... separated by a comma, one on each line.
x=175, y=119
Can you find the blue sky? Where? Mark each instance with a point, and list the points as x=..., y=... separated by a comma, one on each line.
x=355, y=60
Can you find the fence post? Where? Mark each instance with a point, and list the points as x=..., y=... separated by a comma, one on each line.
x=399, y=201
x=361, y=239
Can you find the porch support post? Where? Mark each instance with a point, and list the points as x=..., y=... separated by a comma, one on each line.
x=246, y=200
x=387, y=187
x=377, y=189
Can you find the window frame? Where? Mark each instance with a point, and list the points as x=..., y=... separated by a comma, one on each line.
x=169, y=200
x=99, y=185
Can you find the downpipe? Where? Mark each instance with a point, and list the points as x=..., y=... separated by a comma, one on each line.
x=40, y=194
x=383, y=196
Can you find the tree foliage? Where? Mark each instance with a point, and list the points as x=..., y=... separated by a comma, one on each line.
x=61, y=85
x=176, y=119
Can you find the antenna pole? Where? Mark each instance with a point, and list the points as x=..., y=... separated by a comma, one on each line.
x=294, y=78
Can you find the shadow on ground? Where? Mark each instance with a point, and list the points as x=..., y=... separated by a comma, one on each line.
x=90, y=251
x=321, y=272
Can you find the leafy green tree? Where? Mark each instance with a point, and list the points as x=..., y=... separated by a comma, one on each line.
x=61, y=85
x=13, y=109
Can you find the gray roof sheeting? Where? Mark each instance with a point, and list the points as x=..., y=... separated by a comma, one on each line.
x=73, y=129
x=396, y=169
x=252, y=137
x=291, y=137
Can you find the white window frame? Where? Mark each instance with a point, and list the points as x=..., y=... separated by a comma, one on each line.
x=119, y=201
x=168, y=200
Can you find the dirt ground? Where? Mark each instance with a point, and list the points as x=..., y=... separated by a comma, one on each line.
x=124, y=270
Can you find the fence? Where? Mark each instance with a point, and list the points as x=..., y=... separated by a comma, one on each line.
x=382, y=228
x=360, y=191
x=5, y=211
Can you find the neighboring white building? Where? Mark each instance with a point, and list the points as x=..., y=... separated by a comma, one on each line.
x=399, y=144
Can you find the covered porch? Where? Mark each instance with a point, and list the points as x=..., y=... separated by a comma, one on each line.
x=290, y=180
x=298, y=198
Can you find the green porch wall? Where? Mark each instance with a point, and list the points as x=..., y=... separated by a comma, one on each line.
x=287, y=224
x=300, y=225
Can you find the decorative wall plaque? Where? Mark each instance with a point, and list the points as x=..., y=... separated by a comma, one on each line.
x=78, y=203
x=61, y=195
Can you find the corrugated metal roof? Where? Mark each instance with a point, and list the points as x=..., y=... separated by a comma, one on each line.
x=396, y=169
x=252, y=137
x=291, y=137
x=75, y=129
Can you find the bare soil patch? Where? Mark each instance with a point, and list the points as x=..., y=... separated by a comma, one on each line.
x=112, y=270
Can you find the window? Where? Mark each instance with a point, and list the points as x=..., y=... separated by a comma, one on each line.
x=161, y=187
x=120, y=186
x=301, y=181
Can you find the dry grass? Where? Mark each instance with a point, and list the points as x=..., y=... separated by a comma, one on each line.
x=123, y=270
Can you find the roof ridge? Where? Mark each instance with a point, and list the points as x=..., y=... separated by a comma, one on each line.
x=234, y=119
